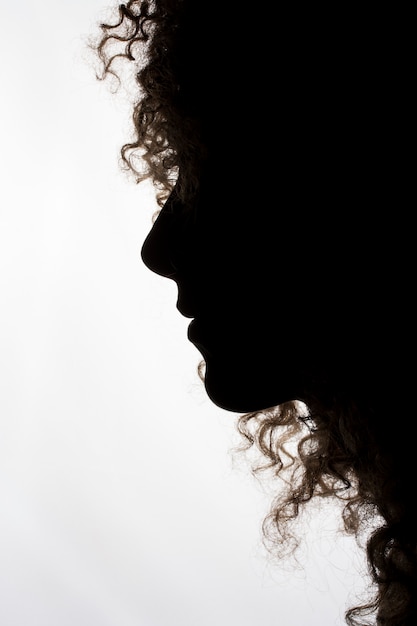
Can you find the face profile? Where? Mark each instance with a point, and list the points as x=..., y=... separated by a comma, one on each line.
x=277, y=149
x=259, y=276
x=226, y=285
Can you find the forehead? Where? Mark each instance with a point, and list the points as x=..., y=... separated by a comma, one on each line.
x=285, y=100
x=237, y=67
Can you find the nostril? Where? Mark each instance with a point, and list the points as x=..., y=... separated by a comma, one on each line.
x=170, y=269
x=173, y=265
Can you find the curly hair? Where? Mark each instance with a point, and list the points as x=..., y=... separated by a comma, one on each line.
x=335, y=458
x=347, y=447
x=168, y=139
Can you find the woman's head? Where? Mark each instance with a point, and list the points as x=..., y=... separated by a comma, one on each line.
x=278, y=153
x=270, y=133
x=274, y=229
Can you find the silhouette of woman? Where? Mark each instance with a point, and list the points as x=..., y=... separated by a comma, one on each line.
x=277, y=145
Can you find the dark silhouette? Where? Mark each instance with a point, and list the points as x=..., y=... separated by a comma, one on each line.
x=279, y=145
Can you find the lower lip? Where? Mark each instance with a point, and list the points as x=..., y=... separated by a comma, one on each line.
x=196, y=334
x=192, y=332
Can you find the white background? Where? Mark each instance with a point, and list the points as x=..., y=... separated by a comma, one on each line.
x=121, y=503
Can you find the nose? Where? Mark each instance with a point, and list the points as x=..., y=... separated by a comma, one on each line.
x=156, y=249
x=168, y=248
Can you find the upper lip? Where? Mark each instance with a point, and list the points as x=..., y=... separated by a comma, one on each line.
x=185, y=308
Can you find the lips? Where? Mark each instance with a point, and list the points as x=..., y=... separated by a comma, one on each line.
x=193, y=332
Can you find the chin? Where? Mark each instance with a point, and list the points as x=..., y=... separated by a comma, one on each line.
x=243, y=392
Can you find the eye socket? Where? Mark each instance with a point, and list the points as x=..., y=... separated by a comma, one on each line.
x=172, y=208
